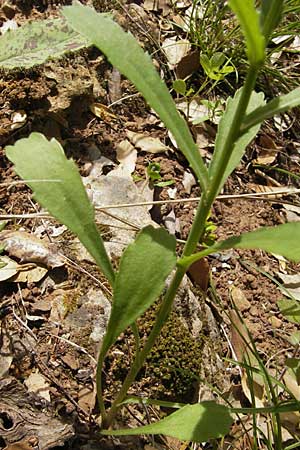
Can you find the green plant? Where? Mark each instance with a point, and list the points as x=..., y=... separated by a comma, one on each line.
x=153, y=173
x=58, y=188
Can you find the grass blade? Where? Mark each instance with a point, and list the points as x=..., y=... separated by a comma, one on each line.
x=57, y=186
x=124, y=52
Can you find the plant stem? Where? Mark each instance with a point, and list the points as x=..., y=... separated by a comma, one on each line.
x=140, y=358
x=196, y=233
x=232, y=135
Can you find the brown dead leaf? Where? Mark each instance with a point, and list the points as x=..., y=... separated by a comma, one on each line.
x=146, y=143
x=103, y=112
x=29, y=273
x=29, y=248
x=30, y=443
x=267, y=150
x=37, y=383
x=199, y=273
x=87, y=398
x=241, y=346
x=188, y=64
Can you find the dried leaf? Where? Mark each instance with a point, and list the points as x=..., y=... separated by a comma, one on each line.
x=175, y=50
x=241, y=345
x=102, y=111
x=126, y=155
x=8, y=268
x=29, y=274
x=188, y=181
x=29, y=248
x=87, y=398
x=37, y=383
x=146, y=143
x=291, y=284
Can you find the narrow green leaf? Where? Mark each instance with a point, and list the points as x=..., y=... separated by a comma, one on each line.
x=283, y=240
x=126, y=55
x=197, y=423
x=57, y=186
x=37, y=41
x=290, y=309
x=256, y=99
x=270, y=15
x=278, y=105
x=144, y=267
x=249, y=21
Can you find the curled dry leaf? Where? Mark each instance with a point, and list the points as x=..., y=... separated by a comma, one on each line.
x=29, y=248
x=146, y=143
x=175, y=50
x=126, y=155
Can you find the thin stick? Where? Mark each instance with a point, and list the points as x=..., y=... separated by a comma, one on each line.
x=257, y=196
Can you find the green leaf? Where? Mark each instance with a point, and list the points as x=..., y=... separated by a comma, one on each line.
x=144, y=267
x=179, y=86
x=197, y=423
x=217, y=60
x=249, y=22
x=256, y=99
x=283, y=240
x=57, y=186
x=270, y=15
x=294, y=365
x=278, y=105
x=205, y=63
x=37, y=41
x=126, y=55
x=290, y=309
x=294, y=338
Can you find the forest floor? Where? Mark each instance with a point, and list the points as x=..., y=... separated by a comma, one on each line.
x=53, y=318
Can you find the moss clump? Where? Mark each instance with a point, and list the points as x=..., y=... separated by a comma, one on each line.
x=171, y=369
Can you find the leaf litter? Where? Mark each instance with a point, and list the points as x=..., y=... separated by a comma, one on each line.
x=75, y=320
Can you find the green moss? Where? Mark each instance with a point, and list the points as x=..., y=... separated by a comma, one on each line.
x=171, y=369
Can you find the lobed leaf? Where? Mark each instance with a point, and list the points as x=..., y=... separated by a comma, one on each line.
x=249, y=22
x=57, y=186
x=124, y=52
x=144, y=267
x=37, y=41
x=197, y=423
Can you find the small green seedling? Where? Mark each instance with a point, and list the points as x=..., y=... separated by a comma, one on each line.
x=216, y=67
x=135, y=285
x=153, y=173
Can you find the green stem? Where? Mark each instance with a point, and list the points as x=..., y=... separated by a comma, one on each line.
x=234, y=132
x=141, y=357
x=196, y=233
